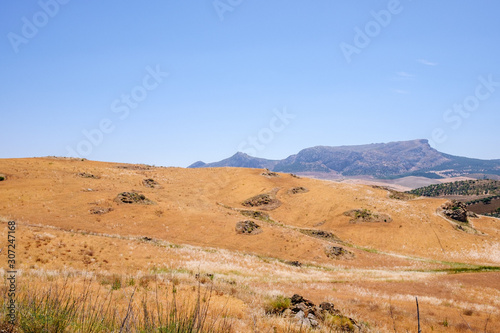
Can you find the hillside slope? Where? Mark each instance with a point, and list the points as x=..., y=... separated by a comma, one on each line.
x=358, y=246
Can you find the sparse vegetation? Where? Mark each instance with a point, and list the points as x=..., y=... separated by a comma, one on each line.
x=61, y=308
x=133, y=198
x=277, y=304
x=88, y=175
x=266, y=201
x=299, y=189
x=187, y=242
x=151, y=183
x=248, y=227
x=366, y=215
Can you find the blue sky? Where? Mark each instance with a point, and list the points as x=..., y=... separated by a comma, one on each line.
x=171, y=82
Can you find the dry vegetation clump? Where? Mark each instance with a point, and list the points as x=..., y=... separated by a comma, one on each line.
x=151, y=183
x=298, y=189
x=337, y=252
x=321, y=234
x=100, y=210
x=256, y=215
x=269, y=174
x=366, y=215
x=133, y=198
x=265, y=201
x=248, y=228
x=87, y=175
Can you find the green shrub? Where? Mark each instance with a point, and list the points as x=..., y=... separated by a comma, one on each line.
x=277, y=304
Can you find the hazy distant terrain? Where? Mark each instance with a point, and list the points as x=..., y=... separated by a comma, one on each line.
x=392, y=160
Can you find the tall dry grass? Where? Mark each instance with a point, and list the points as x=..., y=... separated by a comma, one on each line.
x=90, y=307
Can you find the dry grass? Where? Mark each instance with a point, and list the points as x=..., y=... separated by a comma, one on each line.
x=187, y=241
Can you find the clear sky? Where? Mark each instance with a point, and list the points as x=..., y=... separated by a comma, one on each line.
x=172, y=82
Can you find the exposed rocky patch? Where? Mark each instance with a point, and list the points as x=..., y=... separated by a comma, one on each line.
x=313, y=316
x=100, y=210
x=133, y=198
x=265, y=201
x=87, y=175
x=455, y=210
x=297, y=190
x=337, y=252
x=269, y=174
x=366, y=215
x=248, y=228
x=255, y=214
x=151, y=183
x=321, y=234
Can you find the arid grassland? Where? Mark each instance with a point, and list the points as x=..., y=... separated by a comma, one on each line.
x=106, y=247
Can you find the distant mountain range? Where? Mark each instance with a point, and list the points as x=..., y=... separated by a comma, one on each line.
x=380, y=160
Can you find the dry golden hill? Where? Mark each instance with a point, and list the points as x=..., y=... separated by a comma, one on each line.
x=358, y=246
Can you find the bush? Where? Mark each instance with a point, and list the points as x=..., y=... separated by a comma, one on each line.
x=277, y=304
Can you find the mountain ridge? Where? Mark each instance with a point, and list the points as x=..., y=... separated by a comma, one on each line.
x=380, y=160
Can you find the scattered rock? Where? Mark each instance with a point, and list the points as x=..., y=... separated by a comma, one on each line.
x=337, y=252
x=294, y=175
x=100, y=210
x=151, y=183
x=320, y=234
x=328, y=307
x=255, y=214
x=296, y=190
x=2, y=177
x=248, y=228
x=307, y=314
x=455, y=210
x=87, y=175
x=133, y=198
x=266, y=201
x=147, y=239
x=269, y=174
x=366, y=215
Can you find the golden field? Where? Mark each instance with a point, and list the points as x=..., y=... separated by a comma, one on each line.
x=71, y=231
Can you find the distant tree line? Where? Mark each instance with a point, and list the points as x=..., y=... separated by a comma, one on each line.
x=465, y=187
